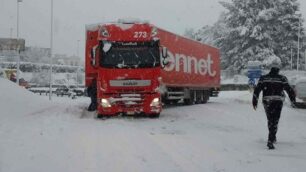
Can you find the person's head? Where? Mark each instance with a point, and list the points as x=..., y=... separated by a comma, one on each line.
x=275, y=66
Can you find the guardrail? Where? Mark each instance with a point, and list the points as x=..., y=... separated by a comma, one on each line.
x=58, y=92
x=234, y=87
x=80, y=91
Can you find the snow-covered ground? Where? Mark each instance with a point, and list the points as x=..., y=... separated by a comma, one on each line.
x=225, y=134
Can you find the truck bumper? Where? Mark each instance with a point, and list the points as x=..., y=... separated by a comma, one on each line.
x=130, y=104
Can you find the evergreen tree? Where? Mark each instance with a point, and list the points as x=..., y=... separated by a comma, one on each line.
x=255, y=30
x=260, y=30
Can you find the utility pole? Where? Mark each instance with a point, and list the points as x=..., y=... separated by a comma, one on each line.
x=18, y=45
x=11, y=32
x=78, y=67
x=51, y=53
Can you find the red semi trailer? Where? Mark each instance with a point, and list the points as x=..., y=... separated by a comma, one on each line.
x=133, y=65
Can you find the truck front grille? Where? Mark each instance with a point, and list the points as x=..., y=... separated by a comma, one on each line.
x=127, y=100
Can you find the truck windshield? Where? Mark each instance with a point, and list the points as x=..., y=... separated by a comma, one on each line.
x=140, y=56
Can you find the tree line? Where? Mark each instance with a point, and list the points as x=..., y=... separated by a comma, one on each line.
x=250, y=30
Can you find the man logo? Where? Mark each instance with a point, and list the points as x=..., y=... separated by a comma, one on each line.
x=130, y=83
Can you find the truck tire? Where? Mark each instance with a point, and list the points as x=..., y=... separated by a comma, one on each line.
x=205, y=97
x=166, y=101
x=174, y=101
x=199, y=97
x=100, y=116
x=155, y=115
x=190, y=101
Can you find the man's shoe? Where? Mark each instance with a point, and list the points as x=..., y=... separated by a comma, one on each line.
x=274, y=141
x=270, y=145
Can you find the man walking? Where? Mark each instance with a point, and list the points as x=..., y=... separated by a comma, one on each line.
x=273, y=85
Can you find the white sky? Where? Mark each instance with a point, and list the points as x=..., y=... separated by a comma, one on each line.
x=71, y=16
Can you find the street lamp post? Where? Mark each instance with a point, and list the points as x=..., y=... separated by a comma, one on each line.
x=51, y=49
x=11, y=32
x=78, y=44
x=78, y=67
x=18, y=47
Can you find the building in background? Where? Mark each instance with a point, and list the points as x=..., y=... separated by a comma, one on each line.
x=8, y=44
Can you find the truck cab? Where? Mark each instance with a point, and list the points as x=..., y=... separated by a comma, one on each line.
x=124, y=60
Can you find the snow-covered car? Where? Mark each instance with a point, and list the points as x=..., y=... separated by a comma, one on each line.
x=70, y=91
x=300, y=89
x=62, y=90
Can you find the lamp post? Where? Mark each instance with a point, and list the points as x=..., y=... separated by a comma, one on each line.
x=78, y=43
x=51, y=49
x=18, y=46
x=78, y=67
x=11, y=32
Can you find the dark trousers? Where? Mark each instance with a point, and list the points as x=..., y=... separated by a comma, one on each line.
x=273, y=111
x=93, y=103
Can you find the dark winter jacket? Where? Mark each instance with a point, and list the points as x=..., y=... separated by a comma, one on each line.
x=273, y=86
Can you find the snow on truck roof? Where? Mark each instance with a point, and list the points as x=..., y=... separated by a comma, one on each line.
x=122, y=23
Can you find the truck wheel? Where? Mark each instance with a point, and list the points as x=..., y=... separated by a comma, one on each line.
x=155, y=115
x=205, y=97
x=174, y=101
x=167, y=102
x=205, y=100
x=100, y=116
x=190, y=101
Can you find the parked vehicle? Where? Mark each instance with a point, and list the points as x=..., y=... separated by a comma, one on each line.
x=134, y=64
x=69, y=91
x=300, y=90
x=11, y=75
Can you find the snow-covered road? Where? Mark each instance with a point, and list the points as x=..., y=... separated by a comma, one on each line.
x=225, y=134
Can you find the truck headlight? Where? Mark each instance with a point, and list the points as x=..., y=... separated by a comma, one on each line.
x=155, y=102
x=105, y=103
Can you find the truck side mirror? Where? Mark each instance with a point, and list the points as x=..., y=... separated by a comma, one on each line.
x=93, y=56
x=164, y=52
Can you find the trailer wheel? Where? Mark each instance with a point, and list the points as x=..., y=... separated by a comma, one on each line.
x=205, y=97
x=200, y=96
x=190, y=101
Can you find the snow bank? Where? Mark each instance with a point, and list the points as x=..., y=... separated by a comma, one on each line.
x=15, y=100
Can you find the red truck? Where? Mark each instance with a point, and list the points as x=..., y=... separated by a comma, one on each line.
x=133, y=66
